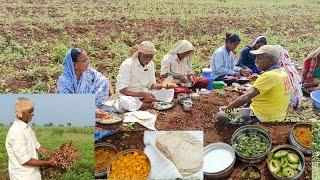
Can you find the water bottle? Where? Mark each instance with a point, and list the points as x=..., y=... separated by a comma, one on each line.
x=206, y=73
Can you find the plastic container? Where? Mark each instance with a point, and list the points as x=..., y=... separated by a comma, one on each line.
x=219, y=85
x=315, y=96
x=206, y=73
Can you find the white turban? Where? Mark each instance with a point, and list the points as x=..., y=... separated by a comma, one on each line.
x=146, y=47
x=22, y=105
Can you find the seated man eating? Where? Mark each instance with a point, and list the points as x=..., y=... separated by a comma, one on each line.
x=178, y=64
x=270, y=94
x=136, y=79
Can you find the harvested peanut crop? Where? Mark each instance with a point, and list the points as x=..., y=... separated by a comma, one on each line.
x=66, y=155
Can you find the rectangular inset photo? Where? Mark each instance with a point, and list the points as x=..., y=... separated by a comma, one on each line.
x=46, y=136
x=260, y=151
x=148, y=155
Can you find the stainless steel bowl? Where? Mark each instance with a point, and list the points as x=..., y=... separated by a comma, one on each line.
x=183, y=97
x=241, y=132
x=286, y=146
x=254, y=167
x=187, y=84
x=126, y=152
x=225, y=172
x=107, y=145
x=195, y=96
x=295, y=142
x=187, y=105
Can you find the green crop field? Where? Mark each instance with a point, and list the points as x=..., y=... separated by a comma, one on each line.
x=34, y=36
x=52, y=137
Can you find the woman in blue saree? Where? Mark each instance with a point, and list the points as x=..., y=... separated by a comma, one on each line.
x=79, y=78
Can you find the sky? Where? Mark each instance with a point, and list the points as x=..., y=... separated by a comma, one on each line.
x=79, y=110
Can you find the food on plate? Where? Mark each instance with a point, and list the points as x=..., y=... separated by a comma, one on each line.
x=183, y=149
x=251, y=144
x=132, y=164
x=162, y=105
x=106, y=117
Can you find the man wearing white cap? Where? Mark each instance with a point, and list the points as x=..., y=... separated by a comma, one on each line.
x=22, y=145
x=137, y=76
x=270, y=94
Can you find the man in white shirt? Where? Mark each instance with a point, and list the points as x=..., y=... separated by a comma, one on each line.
x=22, y=145
x=137, y=76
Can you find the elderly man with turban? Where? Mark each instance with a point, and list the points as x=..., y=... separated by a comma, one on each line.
x=178, y=64
x=136, y=78
x=22, y=145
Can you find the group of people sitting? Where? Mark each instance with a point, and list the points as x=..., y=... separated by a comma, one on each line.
x=277, y=82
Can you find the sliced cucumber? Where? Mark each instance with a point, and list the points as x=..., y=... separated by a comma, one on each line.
x=274, y=165
x=293, y=166
x=285, y=162
x=280, y=153
x=289, y=172
x=293, y=158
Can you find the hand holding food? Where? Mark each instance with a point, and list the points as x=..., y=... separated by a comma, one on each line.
x=52, y=162
x=245, y=72
x=148, y=98
x=253, y=77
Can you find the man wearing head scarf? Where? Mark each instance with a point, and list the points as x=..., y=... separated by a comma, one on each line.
x=137, y=77
x=177, y=63
x=311, y=72
x=22, y=145
x=270, y=94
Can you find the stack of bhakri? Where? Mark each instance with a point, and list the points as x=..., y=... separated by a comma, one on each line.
x=183, y=149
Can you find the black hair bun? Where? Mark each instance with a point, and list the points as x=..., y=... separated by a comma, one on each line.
x=228, y=35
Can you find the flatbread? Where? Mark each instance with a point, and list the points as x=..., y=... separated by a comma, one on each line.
x=143, y=115
x=183, y=149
